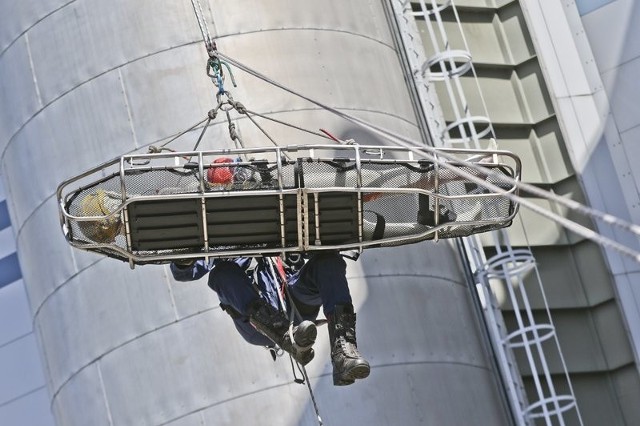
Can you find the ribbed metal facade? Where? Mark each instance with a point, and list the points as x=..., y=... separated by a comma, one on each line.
x=559, y=90
x=23, y=394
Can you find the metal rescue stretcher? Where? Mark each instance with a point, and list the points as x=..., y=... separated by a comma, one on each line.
x=155, y=208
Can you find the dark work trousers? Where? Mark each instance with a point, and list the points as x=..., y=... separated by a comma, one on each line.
x=320, y=282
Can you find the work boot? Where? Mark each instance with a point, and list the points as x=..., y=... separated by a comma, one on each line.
x=275, y=325
x=348, y=364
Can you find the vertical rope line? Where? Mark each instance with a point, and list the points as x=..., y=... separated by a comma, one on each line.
x=293, y=314
x=202, y=23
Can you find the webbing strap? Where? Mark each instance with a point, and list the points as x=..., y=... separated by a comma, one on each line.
x=231, y=311
x=378, y=232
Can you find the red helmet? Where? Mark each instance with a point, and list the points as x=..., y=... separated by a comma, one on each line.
x=220, y=175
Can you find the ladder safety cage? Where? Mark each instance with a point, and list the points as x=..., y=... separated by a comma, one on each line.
x=161, y=207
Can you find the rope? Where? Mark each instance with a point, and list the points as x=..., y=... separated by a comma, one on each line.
x=313, y=397
x=155, y=149
x=204, y=129
x=217, y=77
x=202, y=23
x=293, y=314
x=264, y=132
x=233, y=133
x=214, y=70
x=409, y=144
x=284, y=123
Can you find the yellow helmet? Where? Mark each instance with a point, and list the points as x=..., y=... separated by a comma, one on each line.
x=99, y=203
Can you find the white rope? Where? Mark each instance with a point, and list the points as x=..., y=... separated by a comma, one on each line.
x=202, y=23
x=483, y=101
x=284, y=123
x=184, y=132
x=409, y=144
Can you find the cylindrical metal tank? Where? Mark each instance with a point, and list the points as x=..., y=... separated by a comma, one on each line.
x=84, y=81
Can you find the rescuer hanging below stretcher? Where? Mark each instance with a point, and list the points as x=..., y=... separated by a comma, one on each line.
x=251, y=290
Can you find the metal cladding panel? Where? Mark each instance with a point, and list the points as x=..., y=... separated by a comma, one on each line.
x=133, y=347
x=88, y=38
x=202, y=365
x=102, y=308
x=19, y=368
x=177, y=94
x=599, y=407
x=362, y=18
x=81, y=401
x=14, y=68
x=407, y=394
x=614, y=36
x=622, y=89
x=14, y=313
x=45, y=261
x=190, y=298
x=20, y=15
x=196, y=362
x=88, y=126
x=169, y=92
x=329, y=55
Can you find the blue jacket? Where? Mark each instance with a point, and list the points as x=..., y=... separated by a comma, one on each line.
x=200, y=268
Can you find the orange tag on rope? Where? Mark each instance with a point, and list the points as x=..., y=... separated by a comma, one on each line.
x=371, y=196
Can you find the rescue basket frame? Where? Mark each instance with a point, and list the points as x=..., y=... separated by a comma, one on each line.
x=160, y=207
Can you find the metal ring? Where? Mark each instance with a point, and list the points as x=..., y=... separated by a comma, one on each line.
x=429, y=12
x=570, y=402
x=444, y=58
x=468, y=122
x=521, y=333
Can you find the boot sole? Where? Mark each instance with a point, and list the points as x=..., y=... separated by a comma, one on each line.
x=348, y=377
x=304, y=358
x=305, y=335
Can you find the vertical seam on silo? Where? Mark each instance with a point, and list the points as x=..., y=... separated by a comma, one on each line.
x=104, y=393
x=33, y=71
x=127, y=107
x=173, y=299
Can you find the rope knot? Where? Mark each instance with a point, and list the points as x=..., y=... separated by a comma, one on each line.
x=240, y=108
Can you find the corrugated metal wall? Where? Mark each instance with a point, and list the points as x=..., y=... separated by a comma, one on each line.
x=24, y=398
